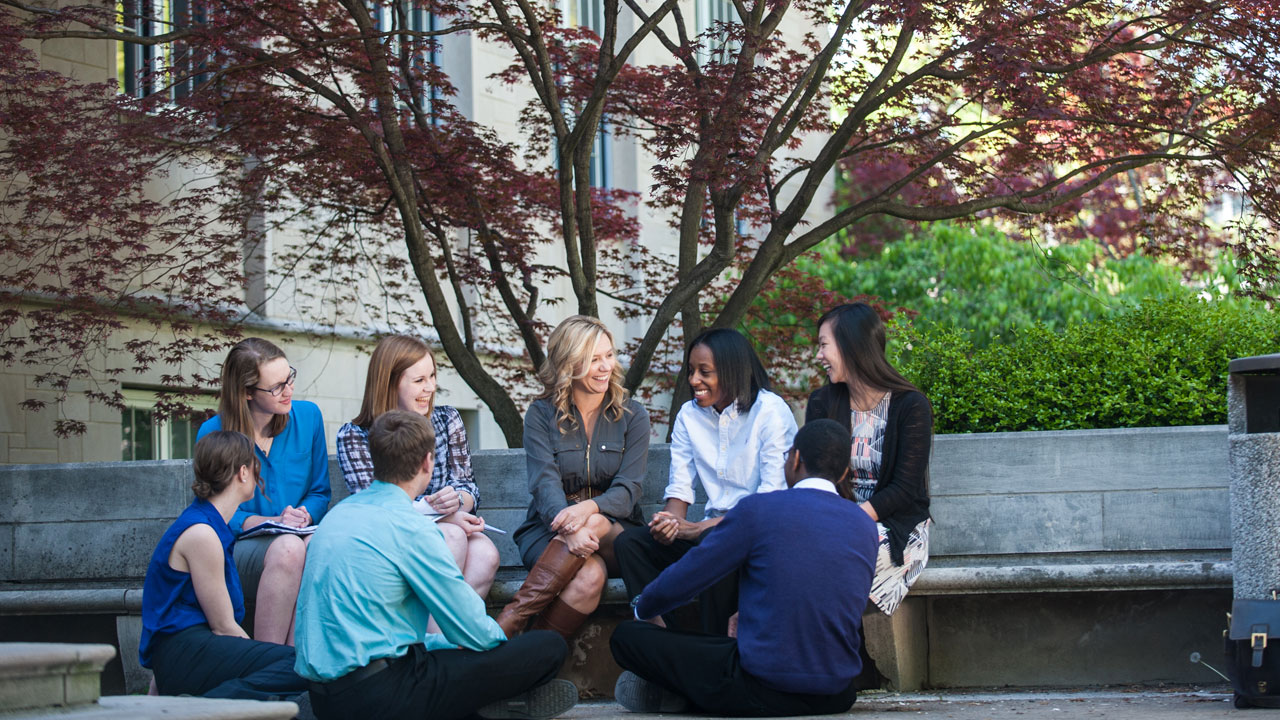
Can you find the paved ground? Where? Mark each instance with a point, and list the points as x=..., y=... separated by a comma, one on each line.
x=1122, y=704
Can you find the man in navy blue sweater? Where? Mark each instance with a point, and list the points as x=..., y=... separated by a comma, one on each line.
x=807, y=557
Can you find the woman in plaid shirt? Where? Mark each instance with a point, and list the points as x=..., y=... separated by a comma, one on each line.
x=402, y=375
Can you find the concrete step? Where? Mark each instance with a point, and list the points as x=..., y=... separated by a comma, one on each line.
x=39, y=680
x=49, y=675
x=142, y=707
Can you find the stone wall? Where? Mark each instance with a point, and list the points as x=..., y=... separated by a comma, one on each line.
x=1029, y=526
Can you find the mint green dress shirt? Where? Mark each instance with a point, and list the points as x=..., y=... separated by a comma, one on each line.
x=376, y=570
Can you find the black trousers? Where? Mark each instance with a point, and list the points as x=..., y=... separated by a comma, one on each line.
x=642, y=559
x=447, y=684
x=197, y=662
x=707, y=670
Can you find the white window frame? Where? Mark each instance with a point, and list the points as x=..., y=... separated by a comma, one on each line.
x=706, y=14
x=600, y=168
x=143, y=400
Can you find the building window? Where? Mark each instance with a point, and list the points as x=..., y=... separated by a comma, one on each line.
x=601, y=165
x=710, y=16
x=590, y=14
x=471, y=421
x=171, y=68
x=143, y=437
x=586, y=13
x=421, y=53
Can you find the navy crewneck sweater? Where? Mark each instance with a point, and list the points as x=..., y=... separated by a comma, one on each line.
x=807, y=558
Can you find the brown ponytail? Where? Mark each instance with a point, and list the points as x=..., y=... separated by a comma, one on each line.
x=218, y=457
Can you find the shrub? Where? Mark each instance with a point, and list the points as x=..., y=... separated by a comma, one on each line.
x=1162, y=362
x=979, y=279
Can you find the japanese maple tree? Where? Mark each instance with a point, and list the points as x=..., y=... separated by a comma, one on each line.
x=329, y=119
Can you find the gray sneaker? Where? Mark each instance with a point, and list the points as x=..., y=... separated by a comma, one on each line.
x=304, y=707
x=545, y=701
x=641, y=696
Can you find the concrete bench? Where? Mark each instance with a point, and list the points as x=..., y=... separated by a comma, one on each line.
x=1071, y=557
x=1031, y=528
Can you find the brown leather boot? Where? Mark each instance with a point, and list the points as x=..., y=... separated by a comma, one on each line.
x=561, y=617
x=554, y=569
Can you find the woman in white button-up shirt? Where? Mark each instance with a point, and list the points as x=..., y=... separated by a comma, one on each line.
x=731, y=437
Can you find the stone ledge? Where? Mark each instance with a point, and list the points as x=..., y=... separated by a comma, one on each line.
x=1073, y=577
x=952, y=579
x=119, y=599
x=509, y=581
x=22, y=658
x=45, y=675
x=981, y=578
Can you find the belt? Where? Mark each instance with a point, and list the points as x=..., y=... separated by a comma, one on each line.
x=351, y=678
x=585, y=493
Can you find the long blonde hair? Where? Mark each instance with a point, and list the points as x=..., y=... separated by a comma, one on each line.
x=569, y=351
x=391, y=357
x=240, y=373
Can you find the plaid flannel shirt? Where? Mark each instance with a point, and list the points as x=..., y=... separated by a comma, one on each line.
x=452, y=465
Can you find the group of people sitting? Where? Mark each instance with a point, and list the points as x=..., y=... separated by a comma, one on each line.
x=802, y=530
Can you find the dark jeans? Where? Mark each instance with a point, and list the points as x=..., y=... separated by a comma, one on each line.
x=447, y=684
x=707, y=670
x=642, y=559
x=197, y=662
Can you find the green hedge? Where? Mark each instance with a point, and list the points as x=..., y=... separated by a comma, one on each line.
x=1161, y=363
x=977, y=278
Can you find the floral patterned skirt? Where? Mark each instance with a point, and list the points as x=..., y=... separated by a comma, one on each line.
x=892, y=582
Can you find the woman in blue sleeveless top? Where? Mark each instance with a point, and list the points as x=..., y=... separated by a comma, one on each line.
x=192, y=604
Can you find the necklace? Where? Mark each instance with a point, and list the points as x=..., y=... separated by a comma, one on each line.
x=868, y=405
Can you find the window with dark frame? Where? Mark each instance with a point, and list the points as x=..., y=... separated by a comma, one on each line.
x=171, y=68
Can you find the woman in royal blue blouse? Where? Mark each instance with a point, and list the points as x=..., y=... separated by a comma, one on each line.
x=192, y=604
x=288, y=437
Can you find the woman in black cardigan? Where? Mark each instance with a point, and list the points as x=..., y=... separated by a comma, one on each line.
x=892, y=427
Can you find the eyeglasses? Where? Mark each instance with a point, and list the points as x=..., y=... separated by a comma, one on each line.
x=278, y=388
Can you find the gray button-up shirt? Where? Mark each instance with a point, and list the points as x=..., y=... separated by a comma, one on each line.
x=558, y=461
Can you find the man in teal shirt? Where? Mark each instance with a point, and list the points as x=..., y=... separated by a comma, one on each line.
x=377, y=570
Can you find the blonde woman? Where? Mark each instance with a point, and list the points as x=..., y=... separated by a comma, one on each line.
x=402, y=375
x=586, y=444
x=288, y=438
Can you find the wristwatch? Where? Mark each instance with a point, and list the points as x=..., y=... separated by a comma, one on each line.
x=635, y=605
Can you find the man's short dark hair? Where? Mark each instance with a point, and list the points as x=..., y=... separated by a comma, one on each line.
x=398, y=443
x=824, y=447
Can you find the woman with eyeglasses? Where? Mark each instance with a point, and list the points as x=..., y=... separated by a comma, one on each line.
x=288, y=437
